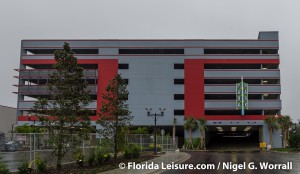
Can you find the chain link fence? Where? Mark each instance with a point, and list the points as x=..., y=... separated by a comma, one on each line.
x=17, y=148
x=146, y=142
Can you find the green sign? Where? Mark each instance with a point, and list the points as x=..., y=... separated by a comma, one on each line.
x=242, y=95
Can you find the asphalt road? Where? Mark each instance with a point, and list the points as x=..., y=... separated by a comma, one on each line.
x=243, y=159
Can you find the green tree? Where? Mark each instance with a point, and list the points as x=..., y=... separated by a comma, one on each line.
x=294, y=139
x=190, y=125
x=284, y=123
x=272, y=125
x=141, y=130
x=66, y=105
x=202, y=127
x=114, y=113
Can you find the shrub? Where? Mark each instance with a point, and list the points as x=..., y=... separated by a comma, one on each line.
x=40, y=164
x=79, y=157
x=294, y=140
x=132, y=151
x=106, y=157
x=23, y=169
x=151, y=147
x=100, y=156
x=91, y=158
x=3, y=168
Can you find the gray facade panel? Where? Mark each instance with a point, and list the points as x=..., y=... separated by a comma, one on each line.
x=257, y=74
x=27, y=105
x=151, y=84
x=193, y=51
x=252, y=104
x=254, y=89
x=237, y=44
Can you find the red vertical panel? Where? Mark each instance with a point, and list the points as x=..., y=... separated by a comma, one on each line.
x=194, y=88
x=107, y=69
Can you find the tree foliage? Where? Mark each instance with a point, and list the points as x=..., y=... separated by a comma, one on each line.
x=141, y=130
x=202, y=127
x=284, y=124
x=272, y=125
x=114, y=115
x=29, y=129
x=190, y=125
x=65, y=109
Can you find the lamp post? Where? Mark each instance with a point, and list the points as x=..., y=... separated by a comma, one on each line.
x=31, y=118
x=155, y=119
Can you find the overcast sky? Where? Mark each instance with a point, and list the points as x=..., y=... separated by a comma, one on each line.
x=153, y=19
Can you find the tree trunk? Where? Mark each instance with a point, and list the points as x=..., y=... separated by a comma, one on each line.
x=59, y=148
x=190, y=138
x=116, y=140
x=271, y=137
x=174, y=137
x=202, y=139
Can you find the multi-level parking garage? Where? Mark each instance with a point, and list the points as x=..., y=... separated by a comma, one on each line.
x=187, y=77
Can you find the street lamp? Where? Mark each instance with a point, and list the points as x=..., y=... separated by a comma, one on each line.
x=155, y=115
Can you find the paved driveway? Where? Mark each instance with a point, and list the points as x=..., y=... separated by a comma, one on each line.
x=242, y=158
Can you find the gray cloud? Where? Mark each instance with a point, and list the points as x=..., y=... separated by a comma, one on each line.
x=136, y=19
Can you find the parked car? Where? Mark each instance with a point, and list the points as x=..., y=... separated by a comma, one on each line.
x=12, y=146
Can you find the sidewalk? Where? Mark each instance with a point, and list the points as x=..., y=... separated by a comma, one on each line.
x=168, y=158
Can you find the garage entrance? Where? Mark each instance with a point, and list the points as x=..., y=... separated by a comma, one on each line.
x=233, y=138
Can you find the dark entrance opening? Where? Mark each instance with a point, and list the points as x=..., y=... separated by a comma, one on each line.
x=233, y=138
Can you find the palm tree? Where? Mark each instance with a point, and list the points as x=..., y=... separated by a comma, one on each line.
x=202, y=126
x=284, y=122
x=190, y=125
x=272, y=125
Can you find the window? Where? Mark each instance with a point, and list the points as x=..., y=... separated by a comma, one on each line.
x=124, y=66
x=178, y=96
x=178, y=112
x=178, y=66
x=178, y=81
x=151, y=51
x=231, y=51
x=126, y=81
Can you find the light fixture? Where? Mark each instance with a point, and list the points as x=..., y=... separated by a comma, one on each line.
x=233, y=129
x=220, y=129
x=265, y=81
x=247, y=128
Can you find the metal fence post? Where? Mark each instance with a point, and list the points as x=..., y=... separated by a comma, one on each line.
x=30, y=150
x=34, y=142
x=83, y=147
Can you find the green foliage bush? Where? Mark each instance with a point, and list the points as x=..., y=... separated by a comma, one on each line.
x=40, y=164
x=151, y=147
x=79, y=157
x=100, y=156
x=132, y=151
x=294, y=140
x=3, y=168
x=91, y=158
x=23, y=169
x=106, y=157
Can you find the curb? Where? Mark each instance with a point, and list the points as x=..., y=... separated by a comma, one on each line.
x=181, y=160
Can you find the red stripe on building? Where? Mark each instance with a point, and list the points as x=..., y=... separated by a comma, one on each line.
x=107, y=69
x=194, y=88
